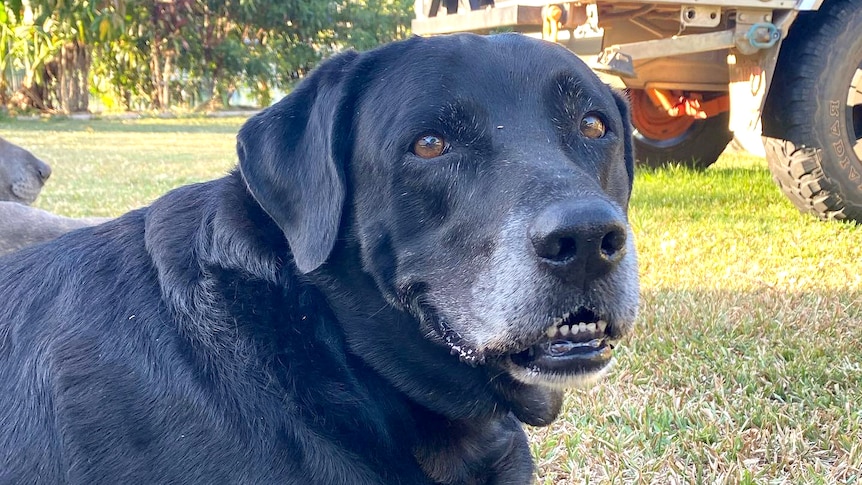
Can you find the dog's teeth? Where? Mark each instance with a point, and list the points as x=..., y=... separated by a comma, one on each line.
x=566, y=316
x=591, y=327
x=582, y=327
x=564, y=330
x=602, y=325
x=551, y=331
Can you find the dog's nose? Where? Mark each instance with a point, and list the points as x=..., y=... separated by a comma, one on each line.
x=43, y=169
x=580, y=239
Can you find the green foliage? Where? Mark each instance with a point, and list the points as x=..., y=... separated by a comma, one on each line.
x=373, y=22
x=26, y=43
x=156, y=54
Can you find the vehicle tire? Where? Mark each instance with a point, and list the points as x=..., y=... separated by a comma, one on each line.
x=661, y=139
x=812, y=120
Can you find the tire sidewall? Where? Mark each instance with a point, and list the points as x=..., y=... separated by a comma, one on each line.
x=832, y=128
x=699, y=147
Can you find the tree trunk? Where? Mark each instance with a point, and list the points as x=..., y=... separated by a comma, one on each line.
x=72, y=84
x=156, y=75
x=166, y=81
x=32, y=94
x=161, y=68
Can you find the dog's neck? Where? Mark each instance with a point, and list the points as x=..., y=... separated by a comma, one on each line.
x=243, y=270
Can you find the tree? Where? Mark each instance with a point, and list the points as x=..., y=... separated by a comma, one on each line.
x=160, y=53
x=369, y=23
x=51, y=41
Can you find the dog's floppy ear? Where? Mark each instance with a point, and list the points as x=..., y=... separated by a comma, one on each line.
x=291, y=156
x=623, y=105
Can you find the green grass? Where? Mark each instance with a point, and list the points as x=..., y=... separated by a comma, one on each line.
x=747, y=363
x=106, y=168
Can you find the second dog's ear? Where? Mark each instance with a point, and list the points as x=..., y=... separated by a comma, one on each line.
x=291, y=157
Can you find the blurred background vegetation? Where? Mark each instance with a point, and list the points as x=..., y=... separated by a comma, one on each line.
x=59, y=56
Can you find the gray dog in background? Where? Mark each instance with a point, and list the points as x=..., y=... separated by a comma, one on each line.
x=22, y=177
x=22, y=225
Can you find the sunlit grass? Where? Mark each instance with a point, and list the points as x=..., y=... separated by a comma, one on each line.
x=106, y=168
x=747, y=363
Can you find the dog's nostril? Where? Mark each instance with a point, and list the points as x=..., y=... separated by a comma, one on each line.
x=563, y=249
x=568, y=249
x=44, y=171
x=555, y=247
x=613, y=242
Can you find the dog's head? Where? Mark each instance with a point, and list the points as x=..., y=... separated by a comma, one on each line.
x=22, y=175
x=485, y=182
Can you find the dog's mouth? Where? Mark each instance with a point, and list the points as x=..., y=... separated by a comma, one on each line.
x=26, y=191
x=575, y=349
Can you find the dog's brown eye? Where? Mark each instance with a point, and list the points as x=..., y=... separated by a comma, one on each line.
x=592, y=126
x=429, y=146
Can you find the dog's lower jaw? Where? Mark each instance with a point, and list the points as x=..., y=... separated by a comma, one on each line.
x=559, y=381
x=26, y=191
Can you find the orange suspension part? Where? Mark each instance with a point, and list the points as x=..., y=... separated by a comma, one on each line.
x=653, y=121
x=551, y=17
x=693, y=105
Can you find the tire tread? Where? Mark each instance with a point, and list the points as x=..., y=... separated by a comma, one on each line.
x=795, y=158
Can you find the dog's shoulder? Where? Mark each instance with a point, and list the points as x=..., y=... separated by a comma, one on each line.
x=187, y=304
x=96, y=283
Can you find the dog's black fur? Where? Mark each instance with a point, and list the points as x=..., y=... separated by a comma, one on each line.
x=316, y=317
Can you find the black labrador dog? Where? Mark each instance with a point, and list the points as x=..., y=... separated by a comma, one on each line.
x=422, y=247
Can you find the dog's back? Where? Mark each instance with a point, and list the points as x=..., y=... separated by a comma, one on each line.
x=94, y=373
x=52, y=342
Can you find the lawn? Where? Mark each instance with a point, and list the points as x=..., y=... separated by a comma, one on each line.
x=747, y=363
